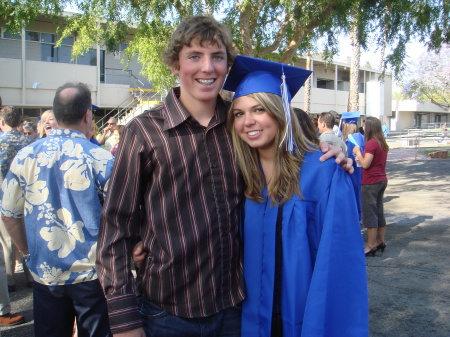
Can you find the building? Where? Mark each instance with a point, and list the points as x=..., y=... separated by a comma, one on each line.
x=32, y=68
x=408, y=114
x=330, y=89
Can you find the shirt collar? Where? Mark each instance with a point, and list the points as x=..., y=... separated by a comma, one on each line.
x=13, y=131
x=67, y=133
x=178, y=114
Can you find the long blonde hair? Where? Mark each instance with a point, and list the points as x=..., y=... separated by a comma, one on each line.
x=348, y=129
x=286, y=177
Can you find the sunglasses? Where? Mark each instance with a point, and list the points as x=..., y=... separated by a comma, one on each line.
x=27, y=133
x=110, y=123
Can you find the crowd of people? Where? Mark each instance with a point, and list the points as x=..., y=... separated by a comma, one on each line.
x=200, y=217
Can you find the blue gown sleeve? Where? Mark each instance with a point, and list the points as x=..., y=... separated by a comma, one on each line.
x=337, y=303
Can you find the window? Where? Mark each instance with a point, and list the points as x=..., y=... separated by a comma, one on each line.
x=88, y=59
x=8, y=35
x=31, y=112
x=325, y=84
x=49, y=38
x=51, y=53
x=32, y=36
x=42, y=46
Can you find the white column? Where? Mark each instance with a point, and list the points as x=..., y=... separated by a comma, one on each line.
x=23, y=68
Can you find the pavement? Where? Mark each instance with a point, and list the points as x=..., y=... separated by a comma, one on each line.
x=409, y=284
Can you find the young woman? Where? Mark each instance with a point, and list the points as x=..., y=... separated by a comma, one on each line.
x=374, y=183
x=48, y=122
x=352, y=137
x=303, y=264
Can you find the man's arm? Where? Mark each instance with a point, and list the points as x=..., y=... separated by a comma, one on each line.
x=336, y=151
x=102, y=138
x=119, y=228
x=16, y=229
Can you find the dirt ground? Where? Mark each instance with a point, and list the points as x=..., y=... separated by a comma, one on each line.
x=409, y=284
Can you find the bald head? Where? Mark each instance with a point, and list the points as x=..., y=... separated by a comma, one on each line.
x=71, y=102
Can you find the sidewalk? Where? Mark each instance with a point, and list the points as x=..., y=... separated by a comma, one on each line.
x=409, y=284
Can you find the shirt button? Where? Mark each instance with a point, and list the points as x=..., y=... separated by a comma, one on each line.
x=214, y=165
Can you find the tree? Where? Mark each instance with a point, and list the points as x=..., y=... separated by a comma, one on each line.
x=430, y=79
x=273, y=29
x=397, y=23
x=353, y=95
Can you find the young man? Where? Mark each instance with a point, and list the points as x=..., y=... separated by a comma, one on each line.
x=326, y=123
x=176, y=186
x=51, y=207
x=11, y=142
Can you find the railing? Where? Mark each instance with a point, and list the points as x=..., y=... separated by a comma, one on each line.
x=118, y=111
x=121, y=76
x=435, y=125
x=128, y=108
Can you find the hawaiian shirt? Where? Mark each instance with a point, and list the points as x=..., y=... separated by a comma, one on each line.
x=10, y=143
x=58, y=184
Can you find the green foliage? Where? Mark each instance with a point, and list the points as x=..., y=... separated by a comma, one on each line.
x=16, y=14
x=149, y=44
x=273, y=29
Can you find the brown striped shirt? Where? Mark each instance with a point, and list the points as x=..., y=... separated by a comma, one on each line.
x=175, y=184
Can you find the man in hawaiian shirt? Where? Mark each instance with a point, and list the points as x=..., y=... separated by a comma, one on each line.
x=11, y=141
x=53, y=196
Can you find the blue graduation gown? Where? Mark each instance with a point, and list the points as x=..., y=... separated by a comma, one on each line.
x=324, y=285
x=356, y=177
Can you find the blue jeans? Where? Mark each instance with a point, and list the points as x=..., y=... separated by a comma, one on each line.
x=159, y=323
x=55, y=309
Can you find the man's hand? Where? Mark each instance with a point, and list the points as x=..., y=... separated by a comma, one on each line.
x=132, y=333
x=139, y=254
x=336, y=151
x=16, y=229
x=107, y=129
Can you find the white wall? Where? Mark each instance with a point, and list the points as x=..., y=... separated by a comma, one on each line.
x=113, y=95
x=375, y=99
x=49, y=75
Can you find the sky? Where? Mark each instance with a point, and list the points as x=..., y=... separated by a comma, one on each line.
x=413, y=50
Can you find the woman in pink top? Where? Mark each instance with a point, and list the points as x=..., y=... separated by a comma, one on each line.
x=374, y=183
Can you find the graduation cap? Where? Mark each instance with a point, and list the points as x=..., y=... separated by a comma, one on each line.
x=249, y=75
x=351, y=117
